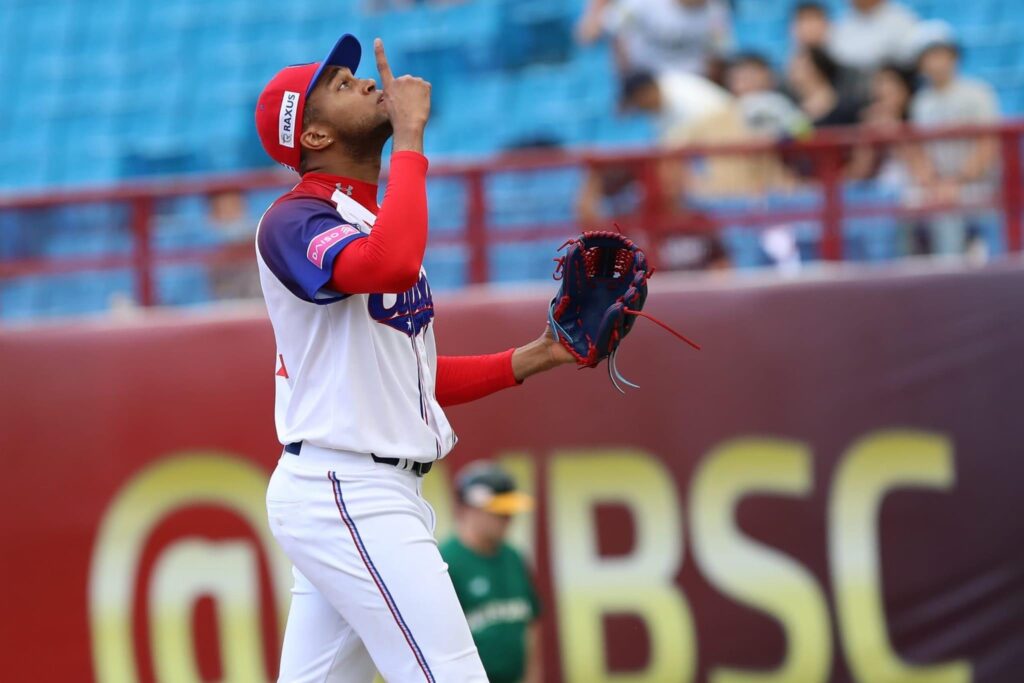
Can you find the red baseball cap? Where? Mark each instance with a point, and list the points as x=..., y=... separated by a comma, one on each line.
x=280, y=105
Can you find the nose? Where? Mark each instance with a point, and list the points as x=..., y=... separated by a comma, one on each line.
x=369, y=85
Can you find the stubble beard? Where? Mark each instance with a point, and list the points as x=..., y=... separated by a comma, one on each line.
x=365, y=141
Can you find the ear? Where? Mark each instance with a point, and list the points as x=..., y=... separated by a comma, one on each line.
x=316, y=137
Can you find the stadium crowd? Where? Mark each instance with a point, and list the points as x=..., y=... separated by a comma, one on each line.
x=673, y=73
x=876, y=66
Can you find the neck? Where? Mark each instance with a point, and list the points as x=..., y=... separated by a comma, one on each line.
x=474, y=541
x=360, y=162
x=364, y=170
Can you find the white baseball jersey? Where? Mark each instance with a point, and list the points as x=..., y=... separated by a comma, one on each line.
x=354, y=372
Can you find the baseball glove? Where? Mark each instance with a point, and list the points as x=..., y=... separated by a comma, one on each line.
x=604, y=287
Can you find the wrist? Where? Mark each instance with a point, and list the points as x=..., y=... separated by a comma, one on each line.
x=408, y=138
x=532, y=358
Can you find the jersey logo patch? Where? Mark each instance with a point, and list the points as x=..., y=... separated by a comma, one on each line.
x=411, y=311
x=319, y=245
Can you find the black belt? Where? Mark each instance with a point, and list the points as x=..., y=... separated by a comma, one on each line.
x=419, y=468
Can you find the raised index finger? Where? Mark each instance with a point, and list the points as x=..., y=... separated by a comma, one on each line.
x=382, y=63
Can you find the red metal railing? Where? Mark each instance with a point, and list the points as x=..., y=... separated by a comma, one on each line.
x=826, y=151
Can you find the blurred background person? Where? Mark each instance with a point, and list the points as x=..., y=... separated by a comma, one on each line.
x=952, y=170
x=678, y=103
x=871, y=33
x=691, y=36
x=692, y=110
x=887, y=111
x=949, y=98
x=814, y=79
x=765, y=110
x=674, y=100
x=491, y=579
x=232, y=226
x=810, y=25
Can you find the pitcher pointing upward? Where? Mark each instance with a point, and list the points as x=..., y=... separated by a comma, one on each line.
x=360, y=387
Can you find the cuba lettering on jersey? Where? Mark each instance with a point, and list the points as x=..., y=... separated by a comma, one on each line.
x=354, y=372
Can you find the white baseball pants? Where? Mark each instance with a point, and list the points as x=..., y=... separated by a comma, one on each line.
x=371, y=590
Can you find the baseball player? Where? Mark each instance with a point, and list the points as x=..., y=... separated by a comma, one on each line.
x=490, y=577
x=361, y=390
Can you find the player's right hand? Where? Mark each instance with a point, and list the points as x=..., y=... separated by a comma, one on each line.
x=407, y=99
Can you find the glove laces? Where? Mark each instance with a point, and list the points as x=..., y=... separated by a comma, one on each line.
x=613, y=370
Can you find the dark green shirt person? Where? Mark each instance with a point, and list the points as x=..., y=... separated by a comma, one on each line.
x=491, y=579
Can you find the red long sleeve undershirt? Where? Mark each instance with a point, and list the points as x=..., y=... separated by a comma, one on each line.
x=461, y=379
x=389, y=260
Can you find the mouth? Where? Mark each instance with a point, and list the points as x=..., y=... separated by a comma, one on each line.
x=380, y=99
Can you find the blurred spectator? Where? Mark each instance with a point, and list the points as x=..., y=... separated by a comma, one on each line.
x=608, y=193
x=765, y=110
x=692, y=110
x=661, y=35
x=228, y=218
x=491, y=579
x=953, y=170
x=950, y=98
x=675, y=100
x=809, y=25
x=892, y=88
x=813, y=78
x=873, y=32
x=684, y=106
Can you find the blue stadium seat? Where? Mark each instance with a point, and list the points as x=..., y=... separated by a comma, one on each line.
x=872, y=239
x=182, y=285
x=744, y=247
x=990, y=228
x=522, y=262
x=447, y=267
x=19, y=300
x=517, y=199
x=448, y=205
x=131, y=75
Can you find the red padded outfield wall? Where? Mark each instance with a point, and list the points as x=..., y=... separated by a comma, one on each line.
x=830, y=491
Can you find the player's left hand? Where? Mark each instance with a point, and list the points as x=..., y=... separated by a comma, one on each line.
x=559, y=354
x=540, y=355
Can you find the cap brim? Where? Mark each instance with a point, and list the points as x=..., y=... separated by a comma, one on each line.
x=510, y=503
x=347, y=52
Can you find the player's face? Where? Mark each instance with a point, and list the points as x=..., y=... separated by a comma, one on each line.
x=353, y=106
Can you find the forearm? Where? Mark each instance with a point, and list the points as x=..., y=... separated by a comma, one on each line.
x=920, y=165
x=539, y=355
x=980, y=162
x=389, y=259
x=461, y=379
